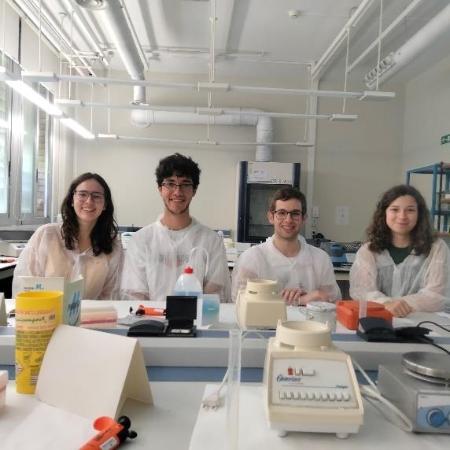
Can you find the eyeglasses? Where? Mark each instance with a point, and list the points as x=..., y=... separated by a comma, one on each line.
x=281, y=214
x=83, y=196
x=172, y=186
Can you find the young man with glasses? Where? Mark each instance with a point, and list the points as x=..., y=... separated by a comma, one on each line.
x=304, y=273
x=158, y=253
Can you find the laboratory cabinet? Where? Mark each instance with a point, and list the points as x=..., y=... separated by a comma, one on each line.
x=440, y=193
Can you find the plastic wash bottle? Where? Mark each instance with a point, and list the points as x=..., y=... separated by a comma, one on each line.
x=188, y=284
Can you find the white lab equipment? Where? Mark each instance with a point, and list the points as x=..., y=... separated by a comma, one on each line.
x=260, y=305
x=310, y=385
x=420, y=388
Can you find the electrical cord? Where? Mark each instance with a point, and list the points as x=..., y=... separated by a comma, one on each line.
x=427, y=340
x=435, y=324
x=214, y=400
x=373, y=395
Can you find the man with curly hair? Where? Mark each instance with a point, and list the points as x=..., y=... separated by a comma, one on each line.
x=158, y=253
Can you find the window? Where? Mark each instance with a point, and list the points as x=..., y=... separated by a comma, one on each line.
x=5, y=127
x=25, y=156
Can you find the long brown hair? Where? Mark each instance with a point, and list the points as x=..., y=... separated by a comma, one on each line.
x=105, y=230
x=380, y=235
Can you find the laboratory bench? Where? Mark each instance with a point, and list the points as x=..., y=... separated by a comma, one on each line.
x=205, y=357
x=177, y=421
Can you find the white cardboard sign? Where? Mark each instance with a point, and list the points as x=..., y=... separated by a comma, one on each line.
x=92, y=373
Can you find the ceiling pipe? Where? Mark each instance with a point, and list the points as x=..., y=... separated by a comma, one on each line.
x=113, y=17
x=248, y=117
x=393, y=62
x=393, y=25
x=332, y=51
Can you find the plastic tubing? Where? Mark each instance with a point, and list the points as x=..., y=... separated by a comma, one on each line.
x=234, y=381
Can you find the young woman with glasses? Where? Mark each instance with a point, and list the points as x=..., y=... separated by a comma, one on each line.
x=403, y=264
x=86, y=243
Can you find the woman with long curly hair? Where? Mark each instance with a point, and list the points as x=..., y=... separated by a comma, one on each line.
x=86, y=243
x=403, y=264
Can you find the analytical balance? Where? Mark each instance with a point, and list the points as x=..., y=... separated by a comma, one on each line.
x=260, y=305
x=420, y=388
x=310, y=385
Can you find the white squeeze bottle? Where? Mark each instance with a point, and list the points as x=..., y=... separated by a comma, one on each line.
x=188, y=284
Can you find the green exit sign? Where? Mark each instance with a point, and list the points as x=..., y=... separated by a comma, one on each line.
x=445, y=139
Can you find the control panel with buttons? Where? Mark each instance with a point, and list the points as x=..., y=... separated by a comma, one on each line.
x=312, y=384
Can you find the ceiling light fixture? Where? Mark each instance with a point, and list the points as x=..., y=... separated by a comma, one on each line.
x=205, y=111
x=294, y=13
x=343, y=117
x=26, y=91
x=198, y=142
x=220, y=87
x=77, y=128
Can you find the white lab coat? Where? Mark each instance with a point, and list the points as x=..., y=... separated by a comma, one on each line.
x=310, y=269
x=423, y=282
x=46, y=255
x=156, y=256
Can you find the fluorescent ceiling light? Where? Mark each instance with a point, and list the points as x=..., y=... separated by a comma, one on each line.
x=343, y=117
x=199, y=142
x=377, y=95
x=77, y=128
x=69, y=102
x=42, y=77
x=34, y=97
x=107, y=136
x=25, y=90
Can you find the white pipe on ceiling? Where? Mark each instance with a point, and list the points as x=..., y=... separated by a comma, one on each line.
x=115, y=21
x=399, y=19
x=392, y=63
x=264, y=125
x=331, y=52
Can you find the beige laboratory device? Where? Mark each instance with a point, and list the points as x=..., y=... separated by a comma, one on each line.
x=310, y=385
x=260, y=305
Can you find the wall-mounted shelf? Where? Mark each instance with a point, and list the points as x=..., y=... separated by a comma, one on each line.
x=440, y=172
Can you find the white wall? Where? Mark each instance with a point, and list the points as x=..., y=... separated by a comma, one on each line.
x=355, y=162
x=129, y=167
x=427, y=112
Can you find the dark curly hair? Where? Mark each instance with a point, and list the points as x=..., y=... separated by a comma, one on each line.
x=105, y=230
x=285, y=194
x=379, y=234
x=180, y=166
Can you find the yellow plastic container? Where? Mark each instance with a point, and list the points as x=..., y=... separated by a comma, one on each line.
x=38, y=313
